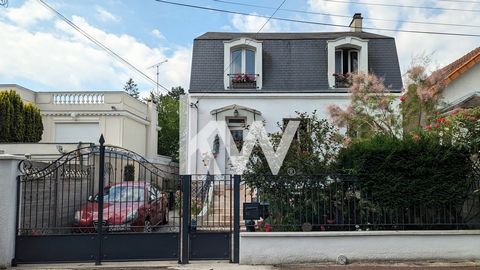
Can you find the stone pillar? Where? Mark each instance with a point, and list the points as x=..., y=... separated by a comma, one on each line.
x=152, y=133
x=8, y=200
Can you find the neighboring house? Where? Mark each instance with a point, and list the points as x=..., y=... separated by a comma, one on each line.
x=243, y=77
x=462, y=80
x=75, y=118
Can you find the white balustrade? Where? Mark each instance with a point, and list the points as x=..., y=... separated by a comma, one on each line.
x=78, y=98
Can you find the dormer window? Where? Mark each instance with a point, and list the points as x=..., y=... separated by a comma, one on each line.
x=243, y=64
x=346, y=56
x=346, y=61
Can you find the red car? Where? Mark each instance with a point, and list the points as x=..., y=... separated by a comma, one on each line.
x=129, y=206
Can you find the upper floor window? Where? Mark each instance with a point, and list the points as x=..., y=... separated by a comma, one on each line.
x=346, y=61
x=243, y=73
x=243, y=61
x=346, y=55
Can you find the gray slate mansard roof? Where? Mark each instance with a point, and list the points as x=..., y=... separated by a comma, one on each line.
x=292, y=62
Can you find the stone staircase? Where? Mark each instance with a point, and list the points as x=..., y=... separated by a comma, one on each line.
x=219, y=214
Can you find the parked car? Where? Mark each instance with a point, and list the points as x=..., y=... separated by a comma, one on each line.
x=128, y=206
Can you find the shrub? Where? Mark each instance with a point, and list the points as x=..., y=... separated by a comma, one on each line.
x=19, y=122
x=415, y=171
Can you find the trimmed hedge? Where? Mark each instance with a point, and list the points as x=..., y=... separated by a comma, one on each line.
x=19, y=122
x=408, y=172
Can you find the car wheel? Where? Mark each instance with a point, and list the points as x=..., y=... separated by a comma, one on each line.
x=147, y=226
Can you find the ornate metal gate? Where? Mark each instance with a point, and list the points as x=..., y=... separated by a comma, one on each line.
x=97, y=203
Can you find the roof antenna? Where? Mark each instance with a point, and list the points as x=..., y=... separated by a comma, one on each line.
x=158, y=73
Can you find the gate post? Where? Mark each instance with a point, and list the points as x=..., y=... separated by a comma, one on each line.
x=185, y=220
x=101, y=176
x=236, y=218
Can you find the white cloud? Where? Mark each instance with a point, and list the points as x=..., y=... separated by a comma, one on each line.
x=445, y=49
x=105, y=16
x=156, y=33
x=331, y=8
x=253, y=24
x=29, y=13
x=226, y=28
x=62, y=58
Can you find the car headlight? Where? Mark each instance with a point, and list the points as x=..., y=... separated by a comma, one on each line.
x=76, y=217
x=131, y=216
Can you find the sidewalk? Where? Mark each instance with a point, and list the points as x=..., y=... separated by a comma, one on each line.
x=203, y=265
x=214, y=265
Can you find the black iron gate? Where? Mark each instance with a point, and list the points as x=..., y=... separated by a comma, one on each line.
x=211, y=231
x=59, y=217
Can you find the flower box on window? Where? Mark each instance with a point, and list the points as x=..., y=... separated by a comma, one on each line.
x=243, y=81
x=343, y=80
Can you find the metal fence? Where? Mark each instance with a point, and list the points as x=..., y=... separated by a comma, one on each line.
x=336, y=202
x=211, y=202
x=61, y=197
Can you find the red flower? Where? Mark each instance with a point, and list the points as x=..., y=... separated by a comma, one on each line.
x=437, y=125
x=403, y=98
x=428, y=127
x=441, y=120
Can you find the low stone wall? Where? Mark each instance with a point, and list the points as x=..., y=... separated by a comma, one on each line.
x=317, y=247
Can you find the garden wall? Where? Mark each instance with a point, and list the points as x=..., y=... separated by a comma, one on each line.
x=314, y=247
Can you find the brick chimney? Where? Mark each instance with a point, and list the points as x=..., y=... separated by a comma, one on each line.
x=356, y=24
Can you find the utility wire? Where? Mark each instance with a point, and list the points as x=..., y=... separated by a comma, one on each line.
x=259, y=30
x=273, y=14
x=344, y=16
x=318, y=23
x=101, y=45
x=397, y=5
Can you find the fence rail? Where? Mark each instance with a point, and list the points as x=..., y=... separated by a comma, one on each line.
x=63, y=196
x=211, y=201
x=335, y=202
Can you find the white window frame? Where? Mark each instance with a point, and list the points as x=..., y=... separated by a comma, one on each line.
x=350, y=60
x=242, y=43
x=351, y=42
x=243, y=60
x=341, y=61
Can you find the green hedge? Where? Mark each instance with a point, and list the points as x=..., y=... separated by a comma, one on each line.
x=409, y=172
x=19, y=122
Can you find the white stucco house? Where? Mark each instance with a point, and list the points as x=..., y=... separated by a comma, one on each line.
x=462, y=82
x=244, y=77
x=73, y=119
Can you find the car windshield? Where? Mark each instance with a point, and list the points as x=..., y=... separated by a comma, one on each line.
x=124, y=194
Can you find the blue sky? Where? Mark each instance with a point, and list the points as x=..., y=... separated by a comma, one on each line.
x=40, y=52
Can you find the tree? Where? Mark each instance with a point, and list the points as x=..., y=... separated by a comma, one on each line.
x=169, y=121
x=19, y=122
x=313, y=148
x=131, y=88
x=309, y=157
x=371, y=111
x=422, y=96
